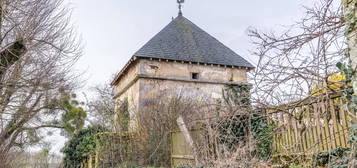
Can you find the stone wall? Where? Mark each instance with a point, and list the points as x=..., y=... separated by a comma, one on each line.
x=128, y=89
x=147, y=80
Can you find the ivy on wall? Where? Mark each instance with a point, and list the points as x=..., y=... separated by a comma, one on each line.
x=346, y=157
x=123, y=116
x=246, y=123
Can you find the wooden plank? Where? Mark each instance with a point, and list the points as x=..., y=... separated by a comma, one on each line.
x=303, y=129
x=284, y=132
x=271, y=121
x=307, y=128
x=290, y=135
x=301, y=132
x=306, y=125
x=190, y=157
x=310, y=129
x=276, y=135
x=171, y=149
x=278, y=132
x=90, y=161
x=281, y=133
x=296, y=134
x=337, y=110
x=344, y=121
x=318, y=127
x=326, y=126
x=313, y=129
x=335, y=123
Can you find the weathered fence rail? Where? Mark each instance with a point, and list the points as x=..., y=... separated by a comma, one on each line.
x=314, y=125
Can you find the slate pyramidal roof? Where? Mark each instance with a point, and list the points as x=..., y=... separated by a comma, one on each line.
x=182, y=40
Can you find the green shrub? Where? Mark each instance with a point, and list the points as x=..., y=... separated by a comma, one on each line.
x=336, y=158
x=80, y=146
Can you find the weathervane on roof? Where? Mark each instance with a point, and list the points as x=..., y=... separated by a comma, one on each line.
x=180, y=2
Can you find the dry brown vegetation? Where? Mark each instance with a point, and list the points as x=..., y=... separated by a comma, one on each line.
x=225, y=132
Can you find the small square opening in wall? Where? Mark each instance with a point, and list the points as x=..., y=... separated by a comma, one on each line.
x=194, y=75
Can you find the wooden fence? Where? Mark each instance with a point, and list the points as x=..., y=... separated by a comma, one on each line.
x=113, y=149
x=314, y=125
x=304, y=128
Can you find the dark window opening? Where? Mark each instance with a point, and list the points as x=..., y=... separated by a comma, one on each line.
x=194, y=75
x=154, y=67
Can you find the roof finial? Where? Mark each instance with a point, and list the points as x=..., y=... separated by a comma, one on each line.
x=180, y=2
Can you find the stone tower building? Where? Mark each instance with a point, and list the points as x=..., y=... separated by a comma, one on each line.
x=181, y=58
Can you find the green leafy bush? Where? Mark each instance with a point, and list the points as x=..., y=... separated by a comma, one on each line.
x=337, y=158
x=80, y=146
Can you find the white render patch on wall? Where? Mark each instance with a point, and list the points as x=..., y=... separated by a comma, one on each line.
x=184, y=70
x=151, y=88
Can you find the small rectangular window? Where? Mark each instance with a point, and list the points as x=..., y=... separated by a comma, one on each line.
x=194, y=75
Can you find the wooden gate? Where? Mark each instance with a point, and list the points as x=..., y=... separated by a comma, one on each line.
x=181, y=153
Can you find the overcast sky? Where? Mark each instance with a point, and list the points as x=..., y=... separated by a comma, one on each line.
x=113, y=30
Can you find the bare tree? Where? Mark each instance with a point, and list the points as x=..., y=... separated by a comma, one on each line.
x=302, y=57
x=296, y=66
x=102, y=106
x=37, y=51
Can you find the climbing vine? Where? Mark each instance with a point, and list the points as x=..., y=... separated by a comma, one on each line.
x=243, y=125
x=350, y=82
x=342, y=157
x=350, y=15
x=123, y=116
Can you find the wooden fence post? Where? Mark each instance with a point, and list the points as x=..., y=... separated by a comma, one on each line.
x=90, y=161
